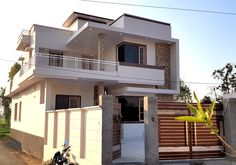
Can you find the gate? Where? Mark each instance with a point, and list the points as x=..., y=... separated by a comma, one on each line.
x=116, y=139
x=185, y=140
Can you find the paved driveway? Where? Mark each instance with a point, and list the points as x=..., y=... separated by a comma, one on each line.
x=9, y=156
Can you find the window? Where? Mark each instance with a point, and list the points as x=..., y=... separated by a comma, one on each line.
x=73, y=102
x=141, y=110
x=67, y=101
x=56, y=58
x=15, y=112
x=131, y=108
x=132, y=53
x=20, y=111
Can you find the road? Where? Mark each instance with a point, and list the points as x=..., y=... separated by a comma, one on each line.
x=9, y=156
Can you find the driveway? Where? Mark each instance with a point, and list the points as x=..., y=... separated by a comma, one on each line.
x=9, y=156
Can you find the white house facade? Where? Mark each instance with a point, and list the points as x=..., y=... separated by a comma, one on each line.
x=69, y=67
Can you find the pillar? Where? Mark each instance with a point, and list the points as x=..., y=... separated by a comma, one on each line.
x=101, y=45
x=105, y=101
x=101, y=88
x=230, y=122
x=151, y=131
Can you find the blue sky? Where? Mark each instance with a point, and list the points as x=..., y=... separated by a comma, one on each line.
x=207, y=41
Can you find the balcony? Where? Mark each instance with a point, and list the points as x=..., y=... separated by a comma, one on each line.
x=23, y=40
x=80, y=69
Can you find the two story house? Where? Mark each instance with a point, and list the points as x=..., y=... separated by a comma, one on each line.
x=69, y=67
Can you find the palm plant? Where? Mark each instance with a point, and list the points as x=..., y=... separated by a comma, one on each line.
x=204, y=115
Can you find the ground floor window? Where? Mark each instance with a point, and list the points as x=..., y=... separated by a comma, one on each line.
x=68, y=101
x=131, y=108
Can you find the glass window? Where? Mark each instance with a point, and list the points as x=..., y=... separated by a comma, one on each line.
x=73, y=102
x=20, y=111
x=131, y=108
x=15, y=112
x=67, y=101
x=131, y=53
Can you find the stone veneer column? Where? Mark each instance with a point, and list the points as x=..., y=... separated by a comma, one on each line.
x=151, y=131
x=163, y=59
x=101, y=46
x=100, y=88
x=105, y=101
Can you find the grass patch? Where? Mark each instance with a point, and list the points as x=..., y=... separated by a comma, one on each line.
x=4, y=128
x=3, y=121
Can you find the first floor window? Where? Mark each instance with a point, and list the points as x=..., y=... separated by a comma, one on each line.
x=131, y=108
x=20, y=106
x=68, y=101
x=15, y=112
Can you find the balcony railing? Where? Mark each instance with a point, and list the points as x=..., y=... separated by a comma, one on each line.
x=68, y=62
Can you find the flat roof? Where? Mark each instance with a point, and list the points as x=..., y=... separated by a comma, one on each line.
x=141, y=18
x=75, y=15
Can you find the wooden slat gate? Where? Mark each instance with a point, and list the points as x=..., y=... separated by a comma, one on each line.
x=116, y=140
x=184, y=140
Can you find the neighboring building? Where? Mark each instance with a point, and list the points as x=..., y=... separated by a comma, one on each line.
x=129, y=58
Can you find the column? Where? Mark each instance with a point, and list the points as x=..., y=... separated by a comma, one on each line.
x=230, y=122
x=151, y=130
x=101, y=88
x=101, y=49
x=107, y=123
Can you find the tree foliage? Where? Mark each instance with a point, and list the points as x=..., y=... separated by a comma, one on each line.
x=206, y=100
x=14, y=69
x=185, y=93
x=5, y=103
x=227, y=76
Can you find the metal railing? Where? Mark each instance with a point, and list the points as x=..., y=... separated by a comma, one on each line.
x=69, y=62
x=27, y=66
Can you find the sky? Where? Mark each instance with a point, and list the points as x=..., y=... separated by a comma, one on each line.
x=207, y=41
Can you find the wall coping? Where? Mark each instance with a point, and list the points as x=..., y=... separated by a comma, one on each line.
x=230, y=95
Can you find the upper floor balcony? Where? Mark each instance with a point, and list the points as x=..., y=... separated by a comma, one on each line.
x=81, y=69
x=23, y=40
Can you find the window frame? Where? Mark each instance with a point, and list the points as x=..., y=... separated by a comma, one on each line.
x=140, y=46
x=20, y=108
x=15, y=111
x=67, y=97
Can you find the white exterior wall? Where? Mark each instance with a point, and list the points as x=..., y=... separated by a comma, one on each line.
x=53, y=38
x=69, y=87
x=147, y=28
x=92, y=134
x=32, y=112
x=119, y=23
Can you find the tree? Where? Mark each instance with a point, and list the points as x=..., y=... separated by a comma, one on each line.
x=185, y=93
x=206, y=100
x=5, y=103
x=14, y=69
x=227, y=76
